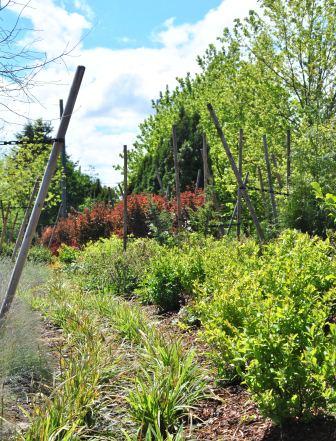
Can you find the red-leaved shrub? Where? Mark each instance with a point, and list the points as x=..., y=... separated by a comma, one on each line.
x=103, y=220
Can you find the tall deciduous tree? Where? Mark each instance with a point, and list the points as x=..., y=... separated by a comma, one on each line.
x=274, y=70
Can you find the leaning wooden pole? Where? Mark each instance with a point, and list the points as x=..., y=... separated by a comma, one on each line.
x=125, y=201
x=262, y=189
x=55, y=225
x=270, y=181
x=177, y=180
x=288, y=147
x=236, y=172
x=235, y=210
x=64, y=205
x=25, y=219
x=198, y=180
x=48, y=174
x=240, y=169
x=205, y=163
x=276, y=170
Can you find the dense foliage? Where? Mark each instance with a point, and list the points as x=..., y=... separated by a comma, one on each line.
x=23, y=165
x=275, y=70
x=267, y=313
x=147, y=215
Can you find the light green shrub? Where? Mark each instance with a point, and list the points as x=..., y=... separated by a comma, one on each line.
x=39, y=254
x=67, y=254
x=264, y=313
x=103, y=266
x=171, y=277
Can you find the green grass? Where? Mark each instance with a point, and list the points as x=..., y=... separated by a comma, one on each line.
x=163, y=384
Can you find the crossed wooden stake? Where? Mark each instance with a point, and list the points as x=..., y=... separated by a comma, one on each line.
x=238, y=176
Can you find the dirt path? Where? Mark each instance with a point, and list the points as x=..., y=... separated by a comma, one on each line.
x=31, y=357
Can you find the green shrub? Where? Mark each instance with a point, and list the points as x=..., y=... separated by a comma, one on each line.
x=289, y=358
x=163, y=285
x=39, y=254
x=103, y=266
x=171, y=277
x=7, y=250
x=264, y=313
x=67, y=254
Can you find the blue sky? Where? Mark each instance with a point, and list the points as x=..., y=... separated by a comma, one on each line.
x=131, y=23
x=131, y=49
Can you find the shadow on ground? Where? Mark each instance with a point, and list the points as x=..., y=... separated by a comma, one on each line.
x=319, y=429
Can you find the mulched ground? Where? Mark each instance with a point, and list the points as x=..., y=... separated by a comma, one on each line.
x=231, y=415
x=235, y=417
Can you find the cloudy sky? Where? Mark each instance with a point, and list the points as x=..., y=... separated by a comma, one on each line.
x=131, y=49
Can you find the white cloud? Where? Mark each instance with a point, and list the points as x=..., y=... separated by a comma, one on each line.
x=83, y=6
x=119, y=84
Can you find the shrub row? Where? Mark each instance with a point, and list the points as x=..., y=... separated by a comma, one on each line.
x=146, y=214
x=267, y=312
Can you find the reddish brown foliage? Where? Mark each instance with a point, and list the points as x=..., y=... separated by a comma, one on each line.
x=103, y=220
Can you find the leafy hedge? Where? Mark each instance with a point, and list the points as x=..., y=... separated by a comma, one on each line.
x=267, y=312
x=102, y=220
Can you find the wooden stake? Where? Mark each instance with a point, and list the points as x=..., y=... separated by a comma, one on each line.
x=55, y=225
x=167, y=192
x=288, y=145
x=177, y=180
x=198, y=180
x=262, y=189
x=205, y=163
x=25, y=219
x=236, y=172
x=235, y=211
x=125, y=200
x=64, y=211
x=158, y=177
x=276, y=170
x=5, y=215
x=240, y=169
x=48, y=174
x=270, y=182
x=11, y=233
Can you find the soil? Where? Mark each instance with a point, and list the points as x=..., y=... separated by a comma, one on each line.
x=231, y=414
x=19, y=393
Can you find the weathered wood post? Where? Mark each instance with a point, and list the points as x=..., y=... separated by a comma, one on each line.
x=240, y=169
x=177, y=179
x=25, y=219
x=48, y=174
x=198, y=180
x=64, y=211
x=167, y=194
x=235, y=211
x=11, y=232
x=270, y=182
x=262, y=189
x=55, y=225
x=205, y=163
x=276, y=170
x=125, y=201
x=236, y=172
x=158, y=177
x=288, y=148
x=5, y=215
